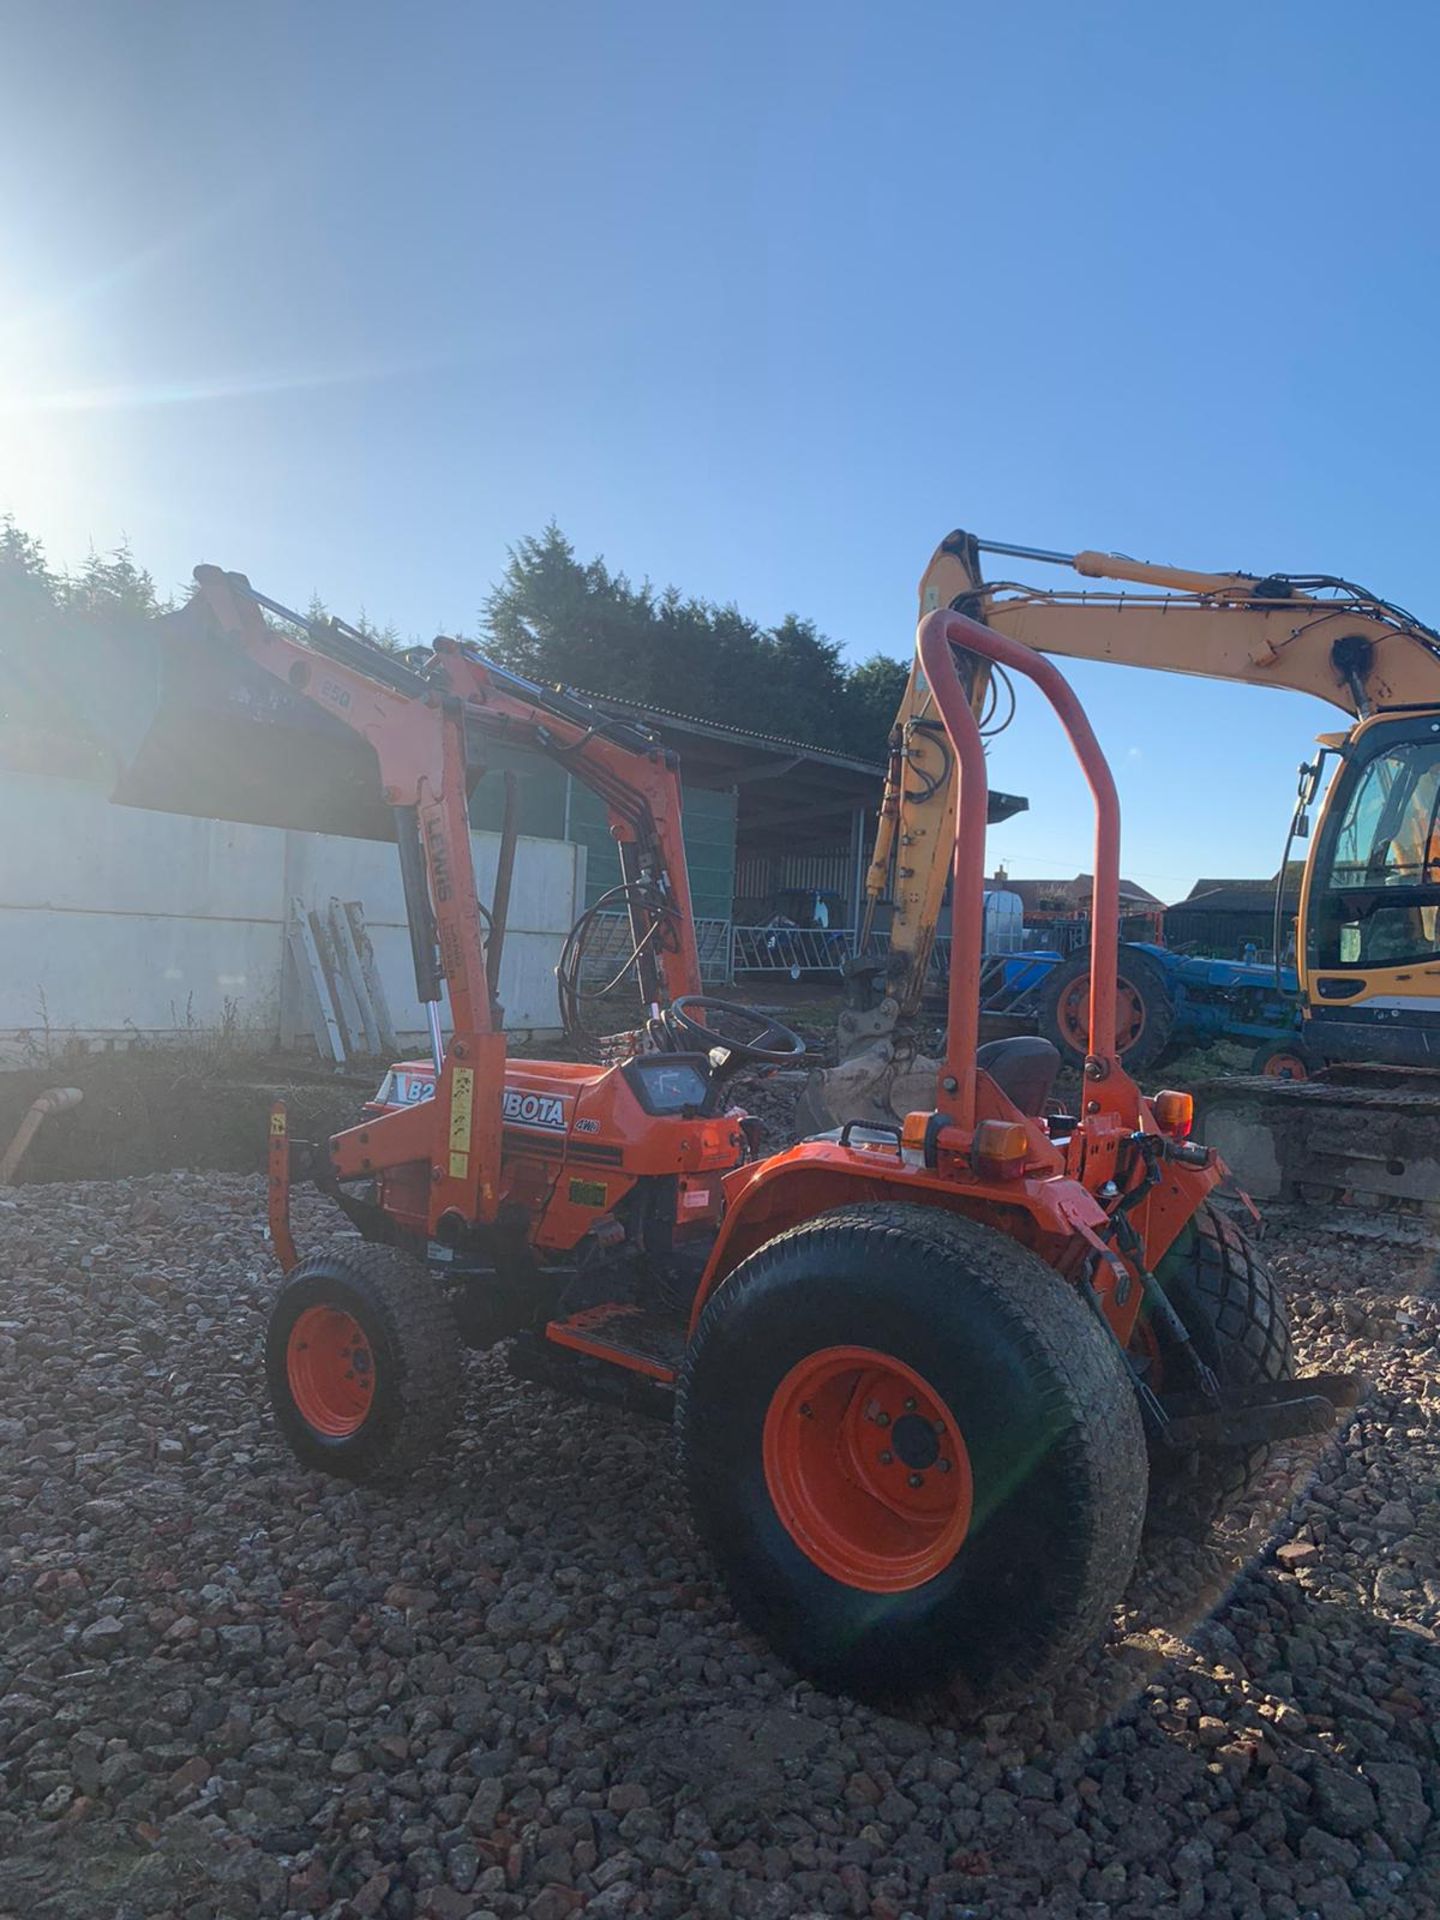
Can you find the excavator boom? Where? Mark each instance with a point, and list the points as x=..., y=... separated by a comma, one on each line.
x=1348, y=647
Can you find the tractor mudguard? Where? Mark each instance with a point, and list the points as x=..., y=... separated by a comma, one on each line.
x=768, y=1197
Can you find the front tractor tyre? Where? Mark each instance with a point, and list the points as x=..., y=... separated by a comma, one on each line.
x=362, y=1357
x=914, y=1454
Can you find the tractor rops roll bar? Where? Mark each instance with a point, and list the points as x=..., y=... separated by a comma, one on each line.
x=939, y=634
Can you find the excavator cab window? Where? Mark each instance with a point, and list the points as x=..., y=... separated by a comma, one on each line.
x=1378, y=904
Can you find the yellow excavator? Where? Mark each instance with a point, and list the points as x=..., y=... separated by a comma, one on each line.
x=1367, y=930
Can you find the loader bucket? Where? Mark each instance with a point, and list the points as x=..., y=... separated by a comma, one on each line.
x=224, y=739
x=76, y=692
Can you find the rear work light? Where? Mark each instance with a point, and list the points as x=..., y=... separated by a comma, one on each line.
x=1001, y=1149
x=1174, y=1113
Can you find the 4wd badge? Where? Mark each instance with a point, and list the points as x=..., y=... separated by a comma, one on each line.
x=543, y=1110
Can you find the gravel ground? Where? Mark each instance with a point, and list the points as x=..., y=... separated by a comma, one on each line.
x=228, y=1687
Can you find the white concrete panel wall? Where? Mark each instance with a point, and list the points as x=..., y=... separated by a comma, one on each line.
x=118, y=922
x=545, y=897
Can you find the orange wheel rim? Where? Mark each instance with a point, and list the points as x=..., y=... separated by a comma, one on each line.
x=1073, y=1014
x=1285, y=1066
x=867, y=1469
x=331, y=1371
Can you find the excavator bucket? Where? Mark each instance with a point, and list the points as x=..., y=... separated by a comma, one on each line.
x=877, y=1086
x=880, y=1076
x=220, y=737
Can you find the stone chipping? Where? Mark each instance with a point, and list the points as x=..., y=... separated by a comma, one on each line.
x=514, y=1688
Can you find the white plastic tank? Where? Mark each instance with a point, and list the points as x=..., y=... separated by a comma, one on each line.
x=1004, y=921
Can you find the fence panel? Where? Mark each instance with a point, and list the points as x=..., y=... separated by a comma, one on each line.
x=792, y=950
x=608, y=948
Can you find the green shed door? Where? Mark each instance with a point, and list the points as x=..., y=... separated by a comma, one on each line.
x=542, y=793
x=709, y=824
x=710, y=851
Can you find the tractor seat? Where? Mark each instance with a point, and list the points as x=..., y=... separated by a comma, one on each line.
x=1023, y=1067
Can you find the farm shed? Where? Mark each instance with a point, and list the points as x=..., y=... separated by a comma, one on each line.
x=1223, y=917
x=770, y=824
x=775, y=831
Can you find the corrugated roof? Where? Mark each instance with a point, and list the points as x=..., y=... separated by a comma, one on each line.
x=1240, y=896
x=638, y=710
x=1236, y=896
x=1213, y=886
x=815, y=779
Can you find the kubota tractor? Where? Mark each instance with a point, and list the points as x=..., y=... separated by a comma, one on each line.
x=926, y=1378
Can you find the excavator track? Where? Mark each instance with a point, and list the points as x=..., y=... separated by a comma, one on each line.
x=1359, y=1141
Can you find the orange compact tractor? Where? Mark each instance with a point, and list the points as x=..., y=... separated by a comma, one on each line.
x=927, y=1379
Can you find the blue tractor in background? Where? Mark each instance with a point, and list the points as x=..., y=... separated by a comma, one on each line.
x=1167, y=1002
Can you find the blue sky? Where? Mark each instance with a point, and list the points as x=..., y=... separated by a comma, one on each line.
x=758, y=299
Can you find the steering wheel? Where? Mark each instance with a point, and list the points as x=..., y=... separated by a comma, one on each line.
x=761, y=1041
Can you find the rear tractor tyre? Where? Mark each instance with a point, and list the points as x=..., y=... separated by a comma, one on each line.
x=914, y=1454
x=1216, y=1280
x=362, y=1357
x=1144, y=1011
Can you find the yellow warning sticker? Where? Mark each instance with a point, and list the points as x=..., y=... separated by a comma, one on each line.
x=277, y=1123
x=462, y=1107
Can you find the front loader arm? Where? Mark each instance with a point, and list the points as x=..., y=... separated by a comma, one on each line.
x=399, y=710
x=418, y=737
x=428, y=727
x=637, y=779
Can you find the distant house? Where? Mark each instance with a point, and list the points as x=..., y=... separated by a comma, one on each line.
x=1062, y=907
x=1224, y=917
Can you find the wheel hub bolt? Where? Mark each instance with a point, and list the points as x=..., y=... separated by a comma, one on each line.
x=807, y=1412
x=882, y=1419
x=917, y=1480
x=944, y=1465
x=910, y=1404
x=886, y=1458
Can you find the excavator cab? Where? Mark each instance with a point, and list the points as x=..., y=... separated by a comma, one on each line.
x=1369, y=949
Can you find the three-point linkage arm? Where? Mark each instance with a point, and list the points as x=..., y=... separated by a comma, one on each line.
x=428, y=728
